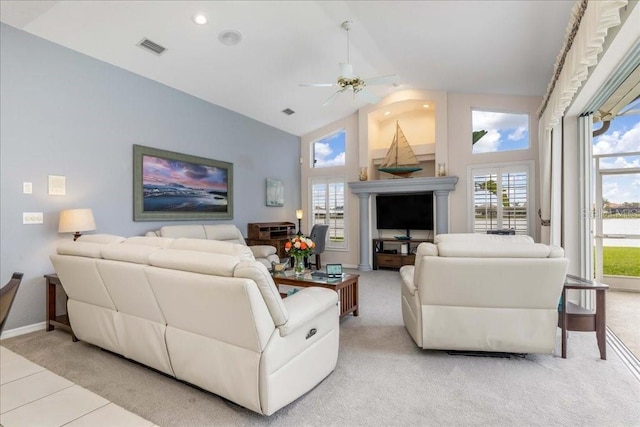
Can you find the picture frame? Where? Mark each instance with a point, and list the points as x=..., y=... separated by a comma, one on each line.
x=175, y=186
x=334, y=270
x=275, y=192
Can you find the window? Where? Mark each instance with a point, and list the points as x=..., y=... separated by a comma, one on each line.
x=328, y=207
x=501, y=198
x=499, y=131
x=329, y=151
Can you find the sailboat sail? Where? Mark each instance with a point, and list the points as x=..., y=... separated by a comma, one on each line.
x=400, y=159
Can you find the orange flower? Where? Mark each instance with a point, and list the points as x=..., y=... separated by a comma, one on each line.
x=287, y=245
x=303, y=245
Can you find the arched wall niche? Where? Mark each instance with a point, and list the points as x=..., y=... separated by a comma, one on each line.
x=422, y=115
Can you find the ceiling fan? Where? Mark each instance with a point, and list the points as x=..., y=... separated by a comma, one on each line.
x=349, y=81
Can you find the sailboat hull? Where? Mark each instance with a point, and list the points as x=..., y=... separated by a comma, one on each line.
x=404, y=171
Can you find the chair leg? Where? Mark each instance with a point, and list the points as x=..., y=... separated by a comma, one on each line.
x=318, y=264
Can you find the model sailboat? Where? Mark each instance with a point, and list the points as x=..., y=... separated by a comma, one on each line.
x=400, y=160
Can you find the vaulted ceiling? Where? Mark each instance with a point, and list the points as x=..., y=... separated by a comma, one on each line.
x=493, y=47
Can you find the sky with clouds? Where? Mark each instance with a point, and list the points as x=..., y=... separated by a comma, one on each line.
x=159, y=171
x=623, y=136
x=330, y=151
x=505, y=131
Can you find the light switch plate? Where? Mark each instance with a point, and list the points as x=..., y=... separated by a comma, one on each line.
x=32, y=217
x=27, y=187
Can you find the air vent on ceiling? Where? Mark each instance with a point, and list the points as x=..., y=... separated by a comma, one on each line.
x=288, y=111
x=152, y=46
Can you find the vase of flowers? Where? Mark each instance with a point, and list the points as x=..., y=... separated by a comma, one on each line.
x=299, y=247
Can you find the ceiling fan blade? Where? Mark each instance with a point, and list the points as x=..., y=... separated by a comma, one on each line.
x=317, y=84
x=331, y=98
x=368, y=96
x=383, y=80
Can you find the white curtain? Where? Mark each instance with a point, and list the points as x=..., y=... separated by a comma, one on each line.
x=586, y=33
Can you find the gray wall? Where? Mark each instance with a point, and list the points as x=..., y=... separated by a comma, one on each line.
x=64, y=113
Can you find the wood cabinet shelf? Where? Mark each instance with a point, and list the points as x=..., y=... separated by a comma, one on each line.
x=270, y=233
x=395, y=260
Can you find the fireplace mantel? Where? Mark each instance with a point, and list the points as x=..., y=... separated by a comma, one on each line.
x=441, y=186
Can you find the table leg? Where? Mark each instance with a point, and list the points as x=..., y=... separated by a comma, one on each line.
x=601, y=323
x=563, y=313
x=51, y=304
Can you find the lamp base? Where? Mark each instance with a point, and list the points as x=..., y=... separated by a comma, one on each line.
x=76, y=235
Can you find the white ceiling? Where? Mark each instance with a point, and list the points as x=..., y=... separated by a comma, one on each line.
x=495, y=47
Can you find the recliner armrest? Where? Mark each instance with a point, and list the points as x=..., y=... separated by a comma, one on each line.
x=305, y=305
x=263, y=251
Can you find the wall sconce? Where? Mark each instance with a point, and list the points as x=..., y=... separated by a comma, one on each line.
x=299, y=214
x=76, y=220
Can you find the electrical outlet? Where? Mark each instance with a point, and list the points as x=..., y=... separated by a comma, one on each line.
x=32, y=217
x=27, y=187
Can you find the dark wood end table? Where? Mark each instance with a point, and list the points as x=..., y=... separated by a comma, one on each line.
x=346, y=287
x=575, y=318
x=53, y=320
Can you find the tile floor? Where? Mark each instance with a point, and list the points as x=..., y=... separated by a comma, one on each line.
x=33, y=396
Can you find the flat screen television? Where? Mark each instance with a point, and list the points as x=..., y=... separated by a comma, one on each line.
x=412, y=211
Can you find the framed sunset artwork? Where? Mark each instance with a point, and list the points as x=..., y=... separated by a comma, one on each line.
x=175, y=186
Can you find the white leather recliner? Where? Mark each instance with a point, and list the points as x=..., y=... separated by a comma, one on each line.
x=203, y=311
x=484, y=293
x=265, y=254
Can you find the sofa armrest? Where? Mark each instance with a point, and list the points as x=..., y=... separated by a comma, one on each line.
x=305, y=305
x=406, y=274
x=262, y=251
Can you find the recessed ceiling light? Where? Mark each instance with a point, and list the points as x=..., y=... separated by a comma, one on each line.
x=199, y=19
x=386, y=113
x=230, y=37
x=425, y=105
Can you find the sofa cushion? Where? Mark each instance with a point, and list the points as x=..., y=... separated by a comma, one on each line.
x=196, y=261
x=258, y=273
x=138, y=254
x=556, y=251
x=192, y=231
x=492, y=249
x=100, y=238
x=78, y=248
x=225, y=232
x=159, y=242
x=476, y=237
x=213, y=246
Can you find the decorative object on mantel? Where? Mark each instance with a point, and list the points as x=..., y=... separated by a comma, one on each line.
x=400, y=159
x=442, y=171
x=76, y=220
x=300, y=248
x=363, y=174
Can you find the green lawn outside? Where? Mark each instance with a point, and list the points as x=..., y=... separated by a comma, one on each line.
x=621, y=261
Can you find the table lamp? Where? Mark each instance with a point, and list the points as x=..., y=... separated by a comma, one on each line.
x=76, y=220
x=299, y=214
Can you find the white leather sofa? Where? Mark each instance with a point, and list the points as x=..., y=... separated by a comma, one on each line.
x=484, y=293
x=223, y=232
x=202, y=311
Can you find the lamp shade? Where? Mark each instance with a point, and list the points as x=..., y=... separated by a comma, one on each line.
x=75, y=220
x=299, y=213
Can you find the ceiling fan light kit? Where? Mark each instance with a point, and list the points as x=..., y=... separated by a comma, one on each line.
x=349, y=80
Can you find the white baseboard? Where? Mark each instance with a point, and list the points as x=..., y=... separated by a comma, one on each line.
x=23, y=330
x=622, y=283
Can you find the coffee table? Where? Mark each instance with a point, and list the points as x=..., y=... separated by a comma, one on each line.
x=346, y=287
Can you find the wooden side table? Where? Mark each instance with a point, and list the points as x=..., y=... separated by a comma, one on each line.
x=575, y=318
x=54, y=320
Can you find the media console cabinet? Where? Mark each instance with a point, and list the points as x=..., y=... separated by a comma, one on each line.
x=398, y=259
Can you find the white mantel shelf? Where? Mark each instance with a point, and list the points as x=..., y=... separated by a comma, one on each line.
x=441, y=187
x=404, y=185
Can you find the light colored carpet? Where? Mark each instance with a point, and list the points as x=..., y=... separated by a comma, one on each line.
x=382, y=378
x=623, y=317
